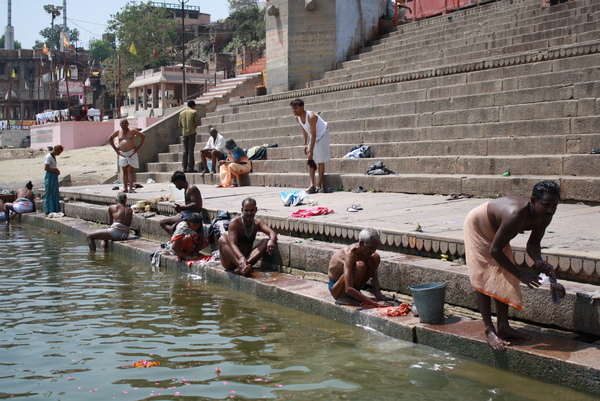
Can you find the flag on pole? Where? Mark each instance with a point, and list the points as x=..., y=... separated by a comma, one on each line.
x=45, y=50
x=155, y=53
x=66, y=41
x=132, y=49
x=13, y=74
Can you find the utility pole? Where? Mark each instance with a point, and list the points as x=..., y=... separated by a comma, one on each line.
x=183, y=89
x=55, y=12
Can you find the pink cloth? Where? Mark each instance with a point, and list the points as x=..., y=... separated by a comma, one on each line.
x=316, y=211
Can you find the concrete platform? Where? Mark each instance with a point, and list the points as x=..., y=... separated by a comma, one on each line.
x=547, y=356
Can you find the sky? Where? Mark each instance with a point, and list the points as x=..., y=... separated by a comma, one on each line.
x=89, y=17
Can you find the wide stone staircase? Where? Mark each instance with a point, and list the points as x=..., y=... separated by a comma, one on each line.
x=450, y=104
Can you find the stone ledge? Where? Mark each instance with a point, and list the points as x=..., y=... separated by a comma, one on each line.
x=578, y=311
x=577, y=363
x=572, y=265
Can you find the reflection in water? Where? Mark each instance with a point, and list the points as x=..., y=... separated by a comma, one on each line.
x=73, y=322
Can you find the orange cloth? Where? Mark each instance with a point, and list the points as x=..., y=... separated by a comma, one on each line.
x=232, y=171
x=486, y=275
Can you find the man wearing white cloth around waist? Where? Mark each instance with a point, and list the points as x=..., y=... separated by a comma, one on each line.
x=316, y=143
x=127, y=151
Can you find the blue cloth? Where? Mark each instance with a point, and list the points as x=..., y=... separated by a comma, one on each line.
x=292, y=198
x=331, y=284
x=238, y=153
x=52, y=197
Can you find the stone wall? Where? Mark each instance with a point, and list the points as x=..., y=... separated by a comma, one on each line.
x=307, y=38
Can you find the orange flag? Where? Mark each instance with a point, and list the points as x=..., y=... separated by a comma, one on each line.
x=45, y=50
x=66, y=41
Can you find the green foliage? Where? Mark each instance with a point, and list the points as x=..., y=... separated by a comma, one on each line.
x=100, y=50
x=248, y=23
x=148, y=28
x=52, y=36
x=17, y=43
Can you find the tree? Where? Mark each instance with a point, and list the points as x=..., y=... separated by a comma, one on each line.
x=53, y=39
x=248, y=23
x=100, y=50
x=149, y=28
x=17, y=43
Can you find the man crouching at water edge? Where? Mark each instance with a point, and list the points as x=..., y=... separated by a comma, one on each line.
x=236, y=250
x=488, y=230
x=352, y=266
x=119, y=219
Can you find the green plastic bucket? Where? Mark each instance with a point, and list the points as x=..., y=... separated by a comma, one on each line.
x=429, y=300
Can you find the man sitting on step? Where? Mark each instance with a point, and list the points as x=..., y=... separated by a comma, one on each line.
x=352, y=266
x=236, y=248
x=192, y=199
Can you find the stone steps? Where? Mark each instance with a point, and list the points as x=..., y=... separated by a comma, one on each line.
x=535, y=113
x=500, y=146
x=571, y=165
x=448, y=40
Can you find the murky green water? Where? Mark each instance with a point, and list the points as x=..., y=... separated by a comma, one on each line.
x=72, y=323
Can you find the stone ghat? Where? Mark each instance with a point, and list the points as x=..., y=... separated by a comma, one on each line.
x=574, y=363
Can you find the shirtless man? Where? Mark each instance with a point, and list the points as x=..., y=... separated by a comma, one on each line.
x=236, y=250
x=352, y=266
x=193, y=201
x=119, y=219
x=127, y=151
x=23, y=204
x=488, y=230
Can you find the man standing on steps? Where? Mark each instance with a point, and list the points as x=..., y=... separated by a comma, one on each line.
x=127, y=151
x=488, y=230
x=188, y=122
x=316, y=143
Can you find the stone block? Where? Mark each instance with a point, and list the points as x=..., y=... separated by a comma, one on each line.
x=472, y=116
x=582, y=165
x=538, y=111
x=580, y=189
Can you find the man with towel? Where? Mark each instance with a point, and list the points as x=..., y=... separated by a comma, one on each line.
x=120, y=217
x=488, y=230
x=127, y=151
x=316, y=144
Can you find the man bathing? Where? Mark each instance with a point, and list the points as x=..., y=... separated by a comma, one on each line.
x=127, y=151
x=352, y=266
x=237, y=253
x=193, y=201
x=488, y=230
x=23, y=204
x=119, y=219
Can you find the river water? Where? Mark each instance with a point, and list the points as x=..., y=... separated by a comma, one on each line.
x=72, y=323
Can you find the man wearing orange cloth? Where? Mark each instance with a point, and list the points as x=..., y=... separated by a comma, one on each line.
x=488, y=230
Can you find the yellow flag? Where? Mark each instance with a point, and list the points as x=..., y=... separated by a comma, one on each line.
x=66, y=42
x=13, y=74
x=132, y=49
